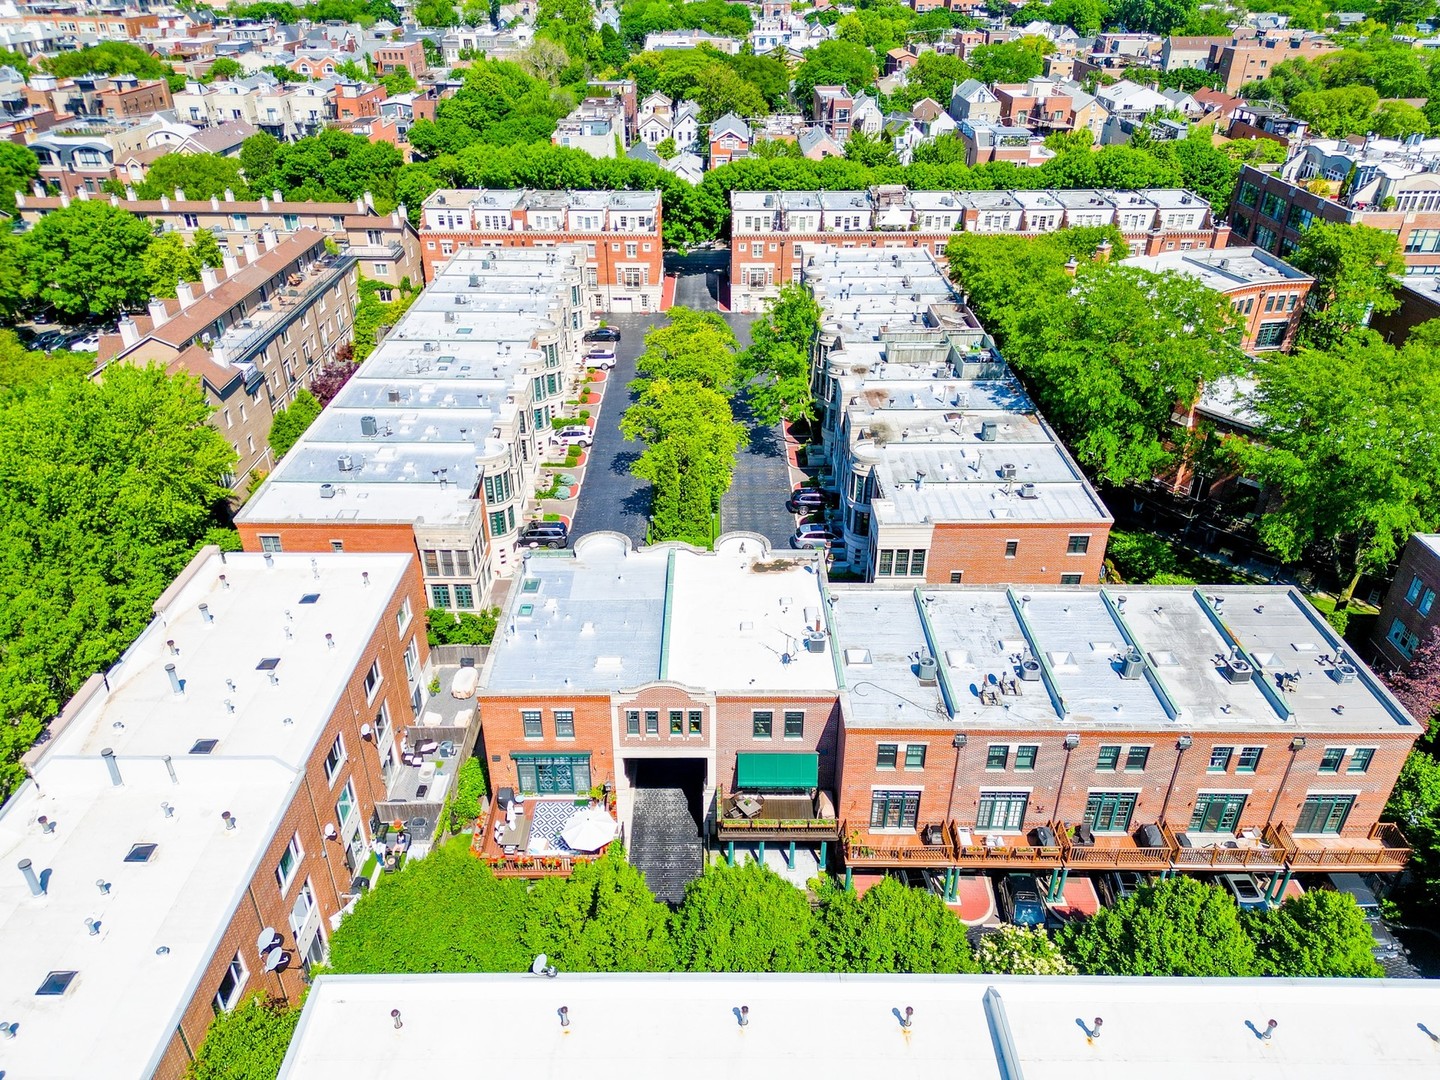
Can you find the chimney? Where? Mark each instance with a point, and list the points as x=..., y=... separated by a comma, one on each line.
x=129, y=193
x=83, y=194
x=64, y=200
x=252, y=253
x=214, y=203
x=1222, y=235
x=164, y=202
x=39, y=189
x=179, y=194
x=230, y=263
x=269, y=239
x=359, y=206
x=26, y=868
x=158, y=314
x=264, y=203
x=1102, y=252
x=369, y=201
x=276, y=198
x=129, y=333
x=114, y=199
x=229, y=195
x=209, y=279
x=1071, y=265
x=108, y=756
x=185, y=293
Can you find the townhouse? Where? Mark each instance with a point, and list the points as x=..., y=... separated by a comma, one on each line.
x=253, y=332
x=730, y=140
x=771, y=233
x=1250, y=59
x=386, y=246
x=597, y=125
x=1050, y=105
x=1408, y=616
x=433, y=446
x=944, y=470
x=203, y=811
x=663, y=118
x=620, y=232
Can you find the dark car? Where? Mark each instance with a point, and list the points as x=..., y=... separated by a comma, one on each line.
x=1023, y=905
x=602, y=333
x=550, y=534
x=805, y=501
x=51, y=340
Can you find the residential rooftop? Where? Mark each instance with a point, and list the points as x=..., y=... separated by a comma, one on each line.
x=605, y=617
x=982, y=1026
x=528, y=199
x=1066, y=646
x=160, y=919
x=1223, y=269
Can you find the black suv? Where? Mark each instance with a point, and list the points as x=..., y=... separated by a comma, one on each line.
x=550, y=534
x=602, y=333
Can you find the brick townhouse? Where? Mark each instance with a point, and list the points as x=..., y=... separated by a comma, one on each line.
x=1408, y=614
x=620, y=230
x=204, y=810
x=772, y=232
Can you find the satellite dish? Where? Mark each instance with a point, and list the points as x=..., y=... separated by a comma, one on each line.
x=278, y=960
x=267, y=940
x=542, y=966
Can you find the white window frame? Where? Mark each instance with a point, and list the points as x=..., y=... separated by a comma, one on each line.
x=240, y=974
x=295, y=852
x=333, y=772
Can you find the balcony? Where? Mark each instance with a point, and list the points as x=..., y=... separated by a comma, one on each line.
x=1250, y=849
x=1384, y=849
x=975, y=849
x=742, y=818
x=1112, y=851
x=920, y=848
x=240, y=341
x=529, y=845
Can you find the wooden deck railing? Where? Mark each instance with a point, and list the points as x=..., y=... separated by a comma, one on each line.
x=1385, y=848
x=770, y=828
x=1112, y=853
x=888, y=851
x=973, y=854
x=1270, y=853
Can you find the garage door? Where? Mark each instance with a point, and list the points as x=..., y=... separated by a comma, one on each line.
x=622, y=305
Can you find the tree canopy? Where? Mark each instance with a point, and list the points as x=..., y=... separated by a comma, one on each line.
x=892, y=929
x=1355, y=268
x=246, y=1043
x=776, y=366
x=743, y=918
x=601, y=918
x=1021, y=950
x=86, y=260
x=290, y=424
x=200, y=176
x=1320, y=934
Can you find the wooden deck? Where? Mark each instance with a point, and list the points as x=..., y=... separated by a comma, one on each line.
x=521, y=864
x=1112, y=851
x=782, y=818
x=1385, y=849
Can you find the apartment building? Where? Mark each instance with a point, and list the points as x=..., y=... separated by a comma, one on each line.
x=203, y=810
x=1267, y=294
x=253, y=332
x=620, y=231
x=1382, y=183
x=287, y=111
x=945, y=471
x=985, y=142
x=1153, y=728
x=434, y=443
x=833, y=108
x=1050, y=105
x=771, y=233
x=1408, y=616
x=597, y=125
x=1250, y=59
x=394, y=55
x=74, y=163
x=385, y=246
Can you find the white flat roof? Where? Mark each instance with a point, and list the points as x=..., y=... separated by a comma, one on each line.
x=975, y=1026
x=124, y=1003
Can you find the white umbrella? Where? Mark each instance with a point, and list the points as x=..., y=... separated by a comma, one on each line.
x=589, y=830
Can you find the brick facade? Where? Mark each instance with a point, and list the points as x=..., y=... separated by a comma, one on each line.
x=1411, y=609
x=977, y=551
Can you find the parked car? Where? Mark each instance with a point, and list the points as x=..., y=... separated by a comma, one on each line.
x=600, y=358
x=573, y=436
x=86, y=343
x=1123, y=884
x=550, y=534
x=50, y=340
x=929, y=880
x=813, y=535
x=1021, y=900
x=1245, y=889
x=1387, y=945
x=602, y=333
x=805, y=501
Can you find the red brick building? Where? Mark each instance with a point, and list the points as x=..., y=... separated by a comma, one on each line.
x=1409, y=615
x=410, y=55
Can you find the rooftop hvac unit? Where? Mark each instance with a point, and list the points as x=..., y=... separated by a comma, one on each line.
x=1237, y=670
x=1029, y=491
x=474, y=281
x=929, y=671
x=1132, y=664
x=394, y=397
x=989, y=431
x=327, y=491
x=1007, y=471
x=346, y=463
x=1030, y=669
x=449, y=316
x=368, y=427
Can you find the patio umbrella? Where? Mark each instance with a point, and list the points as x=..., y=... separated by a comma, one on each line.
x=589, y=830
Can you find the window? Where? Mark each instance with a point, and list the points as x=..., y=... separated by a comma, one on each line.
x=1216, y=813
x=412, y=660
x=57, y=982
x=677, y=721
x=915, y=756
x=894, y=809
x=270, y=543
x=955, y=576
x=553, y=774
x=140, y=853
x=1331, y=759
x=1025, y=757
x=1012, y=547
x=997, y=757
x=1107, y=759
x=1271, y=335
x=1001, y=810
x=632, y=721
x=289, y=864
x=530, y=721
x=564, y=723
x=1426, y=602
x=1360, y=759
x=1249, y=759
x=887, y=561
x=1403, y=640
x=402, y=616
x=345, y=805
x=464, y=596
x=231, y=983
x=1220, y=758
x=440, y=596
x=652, y=721
x=373, y=679
x=763, y=723
x=885, y=754
x=335, y=758
x=697, y=722
x=794, y=725
x=1110, y=811
x=1070, y=579
x=1136, y=758
x=1324, y=813
x=1079, y=544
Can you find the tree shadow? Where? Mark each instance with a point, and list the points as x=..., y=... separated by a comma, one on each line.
x=622, y=462
x=766, y=441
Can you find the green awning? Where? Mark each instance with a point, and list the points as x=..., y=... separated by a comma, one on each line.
x=775, y=772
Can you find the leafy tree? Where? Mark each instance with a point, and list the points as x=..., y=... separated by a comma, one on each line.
x=892, y=929
x=21, y=368
x=1399, y=120
x=1340, y=111
x=169, y=261
x=1153, y=16
x=1179, y=926
x=331, y=376
x=695, y=346
x=223, y=67
x=200, y=176
x=1190, y=80
x=765, y=74
x=667, y=149
x=1019, y=950
x=1321, y=934
x=444, y=913
x=743, y=918
x=1139, y=557
x=399, y=81
x=870, y=150
x=87, y=260
x=105, y=490
x=444, y=627
x=833, y=63
x=109, y=58
x=206, y=249
x=1415, y=805
x=19, y=169
x=1417, y=684
x=1085, y=17
x=17, y=60
x=288, y=426
x=776, y=366
x=1354, y=267
x=246, y=1043
x=258, y=154
x=1348, y=452
x=601, y=918
x=371, y=313
x=283, y=75
x=436, y=13
x=722, y=90
x=1009, y=61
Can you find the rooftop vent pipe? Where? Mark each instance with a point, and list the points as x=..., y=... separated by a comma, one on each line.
x=110, y=763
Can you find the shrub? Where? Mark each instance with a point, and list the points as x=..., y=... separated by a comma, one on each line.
x=469, y=790
x=461, y=627
x=1140, y=556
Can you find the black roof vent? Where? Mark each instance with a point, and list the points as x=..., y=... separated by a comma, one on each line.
x=56, y=983
x=204, y=746
x=140, y=853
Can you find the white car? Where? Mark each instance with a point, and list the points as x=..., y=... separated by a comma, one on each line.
x=603, y=358
x=573, y=436
x=89, y=343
